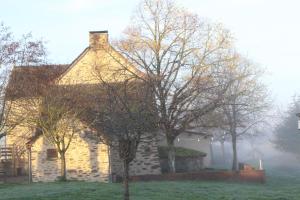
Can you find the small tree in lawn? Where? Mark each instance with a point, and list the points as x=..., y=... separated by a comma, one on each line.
x=59, y=126
x=55, y=117
x=126, y=115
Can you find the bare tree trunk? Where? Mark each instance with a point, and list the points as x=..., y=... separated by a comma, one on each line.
x=234, y=151
x=126, y=179
x=63, y=170
x=171, y=155
x=223, y=152
x=234, y=137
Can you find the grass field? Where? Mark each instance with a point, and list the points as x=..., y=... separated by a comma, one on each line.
x=280, y=186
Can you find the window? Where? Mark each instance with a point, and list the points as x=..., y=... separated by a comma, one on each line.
x=3, y=141
x=51, y=154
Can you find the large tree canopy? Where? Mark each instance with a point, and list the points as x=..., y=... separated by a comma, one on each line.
x=182, y=59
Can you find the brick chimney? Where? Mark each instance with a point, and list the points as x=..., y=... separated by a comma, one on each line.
x=98, y=39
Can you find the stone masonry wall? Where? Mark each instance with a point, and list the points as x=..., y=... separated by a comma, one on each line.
x=146, y=161
x=85, y=160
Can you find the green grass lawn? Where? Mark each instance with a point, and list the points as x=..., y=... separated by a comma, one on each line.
x=278, y=187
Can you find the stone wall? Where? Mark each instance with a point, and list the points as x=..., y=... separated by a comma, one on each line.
x=146, y=161
x=20, y=110
x=85, y=160
x=88, y=161
x=20, y=133
x=254, y=176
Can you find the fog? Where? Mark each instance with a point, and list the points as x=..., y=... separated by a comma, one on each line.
x=251, y=150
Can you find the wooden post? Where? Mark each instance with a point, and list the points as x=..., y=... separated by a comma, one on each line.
x=13, y=160
x=211, y=151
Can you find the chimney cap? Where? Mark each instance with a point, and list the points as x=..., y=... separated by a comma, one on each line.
x=105, y=31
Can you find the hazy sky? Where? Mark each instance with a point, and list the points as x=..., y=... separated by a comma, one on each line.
x=266, y=31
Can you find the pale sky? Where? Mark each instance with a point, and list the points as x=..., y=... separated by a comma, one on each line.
x=266, y=31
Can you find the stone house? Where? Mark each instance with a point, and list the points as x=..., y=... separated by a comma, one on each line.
x=86, y=159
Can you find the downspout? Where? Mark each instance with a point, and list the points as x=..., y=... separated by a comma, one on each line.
x=29, y=163
x=109, y=166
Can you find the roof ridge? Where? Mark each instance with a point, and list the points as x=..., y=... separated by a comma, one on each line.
x=42, y=65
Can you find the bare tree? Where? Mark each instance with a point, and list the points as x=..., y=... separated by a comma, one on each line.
x=13, y=52
x=59, y=122
x=181, y=58
x=55, y=115
x=126, y=116
x=245, y=103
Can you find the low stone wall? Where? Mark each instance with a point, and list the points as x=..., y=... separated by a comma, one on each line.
x=183, y=164
x=255, y=176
